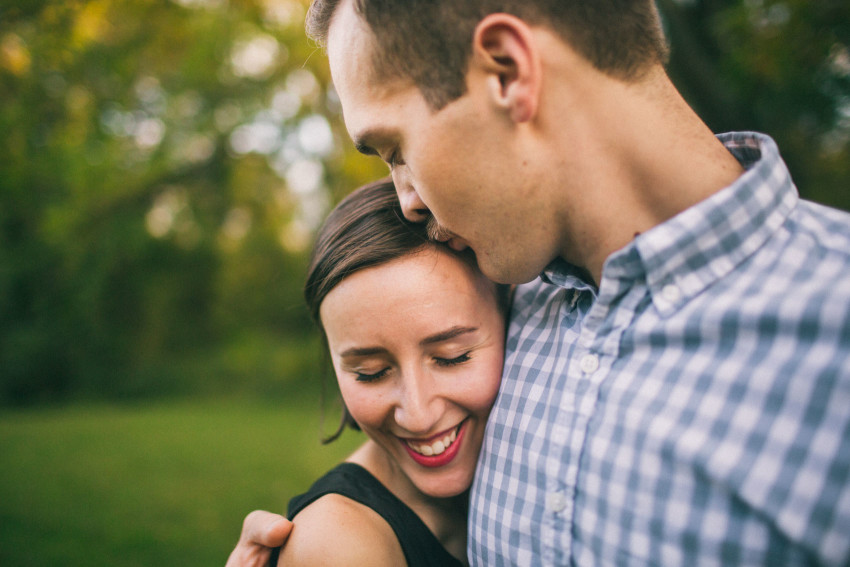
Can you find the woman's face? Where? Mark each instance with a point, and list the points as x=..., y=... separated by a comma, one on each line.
x=417, y=345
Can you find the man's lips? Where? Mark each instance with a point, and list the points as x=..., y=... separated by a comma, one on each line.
x=442, y=234
x=457, y=244
x=438, y=450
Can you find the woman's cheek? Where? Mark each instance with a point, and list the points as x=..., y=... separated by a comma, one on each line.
x=364, y=403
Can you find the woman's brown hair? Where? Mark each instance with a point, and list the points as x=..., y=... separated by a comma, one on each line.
x=366, y=229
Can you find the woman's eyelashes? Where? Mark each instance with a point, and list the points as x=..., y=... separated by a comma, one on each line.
x=442, y=362
x=365, y=377
x=452, y=361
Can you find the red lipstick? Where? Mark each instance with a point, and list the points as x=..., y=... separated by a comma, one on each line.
x=443, y=458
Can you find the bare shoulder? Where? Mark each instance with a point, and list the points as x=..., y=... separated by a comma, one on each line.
x=335, y=530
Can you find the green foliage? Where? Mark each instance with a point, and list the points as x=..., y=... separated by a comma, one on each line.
x=163, y=165
x=159, y=485
x=162, y=169
x=776, y=66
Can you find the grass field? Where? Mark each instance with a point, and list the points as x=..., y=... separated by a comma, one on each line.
x=164, y=484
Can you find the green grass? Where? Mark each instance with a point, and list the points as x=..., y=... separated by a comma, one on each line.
x=165, y=484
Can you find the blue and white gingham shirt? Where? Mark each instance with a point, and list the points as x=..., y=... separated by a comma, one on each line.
x=695, y=409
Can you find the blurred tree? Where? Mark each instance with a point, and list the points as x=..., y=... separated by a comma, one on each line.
x=776, y=66
x=163, y=166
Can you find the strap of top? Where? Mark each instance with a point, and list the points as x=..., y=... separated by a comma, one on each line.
x=421, y=547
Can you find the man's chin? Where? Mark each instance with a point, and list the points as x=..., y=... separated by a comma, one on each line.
x=498, y=272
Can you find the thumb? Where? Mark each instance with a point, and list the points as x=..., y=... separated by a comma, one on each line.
x=261, y=532
x=277, y=532
x=265, y=529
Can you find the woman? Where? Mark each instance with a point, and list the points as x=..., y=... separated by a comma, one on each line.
x=416, y=337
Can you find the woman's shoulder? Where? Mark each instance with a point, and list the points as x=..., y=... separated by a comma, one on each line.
x=335, y=530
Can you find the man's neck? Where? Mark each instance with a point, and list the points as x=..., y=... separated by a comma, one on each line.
x=647, y=157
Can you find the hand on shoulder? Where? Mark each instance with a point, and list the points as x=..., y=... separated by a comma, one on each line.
x=261, y=531
x=335, y=530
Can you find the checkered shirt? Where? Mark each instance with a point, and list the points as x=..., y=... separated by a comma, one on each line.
x=695, y=409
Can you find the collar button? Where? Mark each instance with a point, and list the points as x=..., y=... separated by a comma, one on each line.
x=671, y=293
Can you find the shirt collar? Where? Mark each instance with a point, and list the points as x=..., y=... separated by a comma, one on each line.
x=561, y=273
x=685, y=254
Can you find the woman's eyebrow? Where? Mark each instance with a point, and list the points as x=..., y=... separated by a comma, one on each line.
x=429, y=340
x=362, y=351
x=447, y=334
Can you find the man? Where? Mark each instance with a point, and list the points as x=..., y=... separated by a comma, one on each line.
x=677, y=381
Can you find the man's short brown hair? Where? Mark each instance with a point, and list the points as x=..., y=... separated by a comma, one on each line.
x=429, y=41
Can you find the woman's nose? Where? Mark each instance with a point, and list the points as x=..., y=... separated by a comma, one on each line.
x=411, y=204
x=419, y=408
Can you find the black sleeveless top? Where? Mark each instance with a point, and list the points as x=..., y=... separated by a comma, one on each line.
x=421, y=547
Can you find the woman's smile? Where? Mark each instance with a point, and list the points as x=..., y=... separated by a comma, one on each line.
x=437, y=451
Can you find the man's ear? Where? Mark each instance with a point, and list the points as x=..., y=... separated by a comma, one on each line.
x=505, y=50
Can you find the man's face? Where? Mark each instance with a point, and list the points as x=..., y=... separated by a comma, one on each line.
x=460, y=163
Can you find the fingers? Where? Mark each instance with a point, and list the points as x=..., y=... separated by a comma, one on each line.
x=248, y=555
x=261, y=531
x=265, y=529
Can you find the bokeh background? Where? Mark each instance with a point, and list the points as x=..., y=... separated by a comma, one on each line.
x=163, y=167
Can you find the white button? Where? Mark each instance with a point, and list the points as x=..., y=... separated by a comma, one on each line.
x=589, y=363
x=671, y=293
x=556, y=501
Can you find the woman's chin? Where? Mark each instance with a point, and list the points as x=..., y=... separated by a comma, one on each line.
x=445, y=486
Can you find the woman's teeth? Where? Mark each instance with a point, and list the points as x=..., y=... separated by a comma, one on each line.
x=435, y=447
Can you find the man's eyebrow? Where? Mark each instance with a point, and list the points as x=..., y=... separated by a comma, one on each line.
x=446, y=335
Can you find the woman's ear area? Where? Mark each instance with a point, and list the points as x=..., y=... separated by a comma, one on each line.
x=506, y=52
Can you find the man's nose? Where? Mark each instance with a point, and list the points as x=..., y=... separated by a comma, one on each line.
x=411, y=205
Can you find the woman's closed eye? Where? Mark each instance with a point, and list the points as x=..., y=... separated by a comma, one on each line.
x=367, y=377
x=452, y=361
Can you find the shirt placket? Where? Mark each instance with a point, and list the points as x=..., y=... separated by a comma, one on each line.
x=568, y=435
